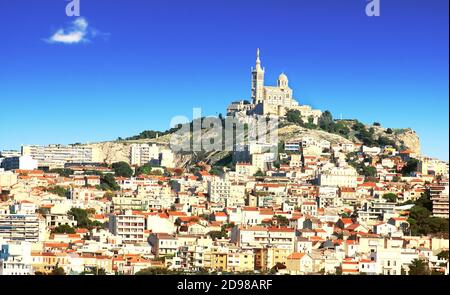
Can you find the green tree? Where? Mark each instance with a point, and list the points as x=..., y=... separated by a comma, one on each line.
x=410, y=167
x=59, y=190
x=419, y=267
x=62, y=171
x=443, y=255
x=341, y=129
x=216, y=171
x=326, y=121
x=109, y=196
x=358, y=126
x=366, y=136
x=294, y=116
x=259, y=173
x=108, y=182
x=58, y=271
x=144, y=169
x=281, y=220
x=390, y=197
x=95, y=271
x=81, y=216
x=154, y=271
x=122, y=169
x=420, y=219
x=384, y=141
x=369, y=171
x=63, y=229
x=218, y=234
x=376, y=124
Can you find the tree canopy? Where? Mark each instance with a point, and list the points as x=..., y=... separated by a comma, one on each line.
x=419, y=267
x=294, y=116
x=122, y=169
x=390, y=197
x=108, y=183
x=59, y=190
x=420, y=219
x=63, y=229
x=410, y=167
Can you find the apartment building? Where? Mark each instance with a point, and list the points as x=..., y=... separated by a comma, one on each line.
x=163, y=244
x=338, y=176
x=18, y=227
x=439, y=197
x=376, y=210
x=21, y=162
x=130, y=227
x=15, y=258
x=221, y=190
x=430, y=166
x=141, y=154
x=293, y=146
x=248, y=237
x=7, y=178
x=55, y=155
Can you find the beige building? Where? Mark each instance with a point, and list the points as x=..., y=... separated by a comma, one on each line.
x=431, y=166
x=276, y=100
x=222, y=191
x=299, y=263
x=271, y=100
x=338, y=176
x=7, y=178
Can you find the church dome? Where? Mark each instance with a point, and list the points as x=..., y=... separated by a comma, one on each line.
x=282, y=77
x=282, y=81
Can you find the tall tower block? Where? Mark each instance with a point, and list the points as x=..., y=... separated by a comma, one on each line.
x=257, y=81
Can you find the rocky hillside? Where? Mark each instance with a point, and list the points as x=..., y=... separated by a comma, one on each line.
x=115, y=151
x=407, y=138
x=293, y=132
x=402, y=138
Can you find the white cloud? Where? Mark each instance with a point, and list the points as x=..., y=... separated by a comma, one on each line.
x=77, y=32
x=68, y=38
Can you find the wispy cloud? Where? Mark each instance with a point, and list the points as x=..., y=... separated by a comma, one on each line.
x=77, y=32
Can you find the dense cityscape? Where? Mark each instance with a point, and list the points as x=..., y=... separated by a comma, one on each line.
x=332, y=197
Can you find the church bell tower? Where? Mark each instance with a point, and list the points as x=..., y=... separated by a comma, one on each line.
x=257, y=81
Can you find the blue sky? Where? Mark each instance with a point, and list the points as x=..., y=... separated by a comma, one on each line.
x=144, y=61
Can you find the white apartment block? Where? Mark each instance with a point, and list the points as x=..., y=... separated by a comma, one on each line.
x=439, y=196
x=261, y=161
x=15, y=258
x=221, y=190
x=141, y=154
x=131, y=228
x=55, y=155
x=17, y=227
x=167, y=158
x=163, y=244
x=338, y=176
x=248, y=237
x=22, y=163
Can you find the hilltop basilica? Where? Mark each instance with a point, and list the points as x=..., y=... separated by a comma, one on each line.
x=270, y=100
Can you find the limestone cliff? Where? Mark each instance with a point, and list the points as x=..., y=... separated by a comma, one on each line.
x=115, y=151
